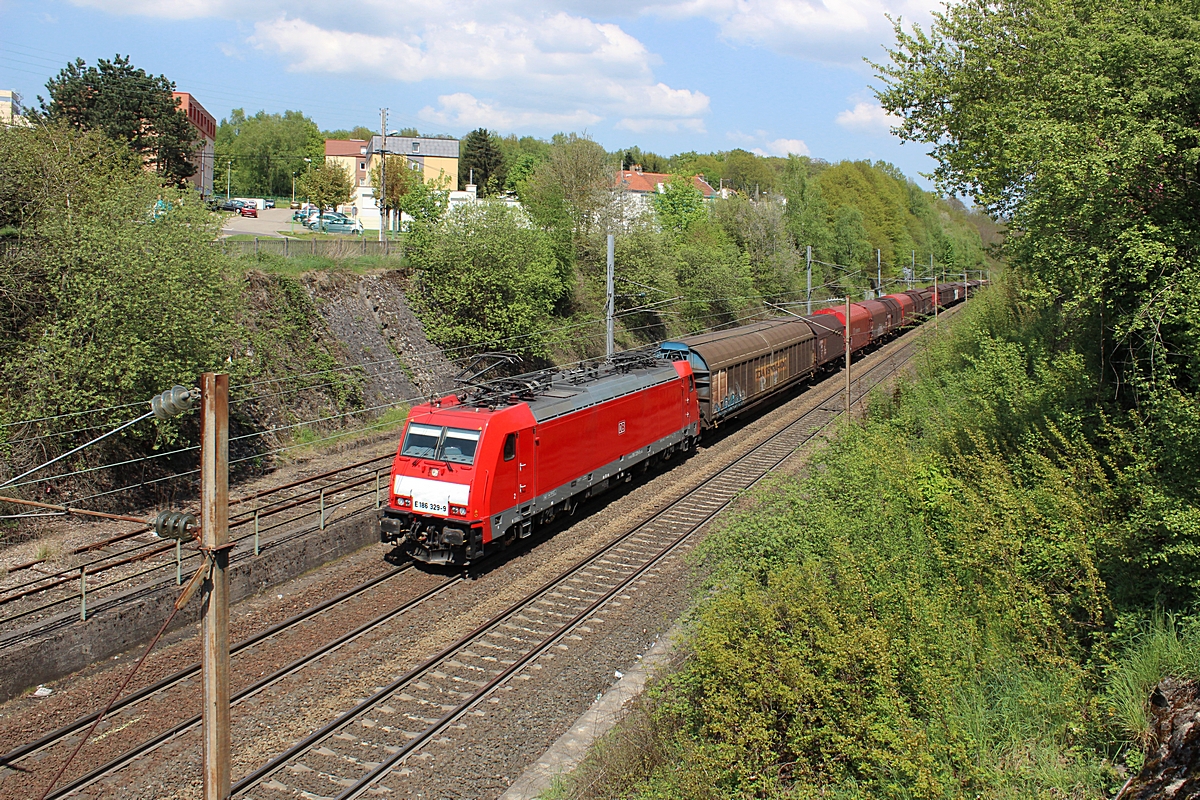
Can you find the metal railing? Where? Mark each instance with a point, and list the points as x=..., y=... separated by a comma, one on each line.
x=348, y=247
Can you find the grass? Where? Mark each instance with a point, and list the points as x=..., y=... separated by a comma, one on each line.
x=1165, y=646
x=307, y=440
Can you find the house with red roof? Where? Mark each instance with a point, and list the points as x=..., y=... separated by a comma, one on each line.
x=636, y=182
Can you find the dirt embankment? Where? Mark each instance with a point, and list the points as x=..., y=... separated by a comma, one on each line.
x=370, y=318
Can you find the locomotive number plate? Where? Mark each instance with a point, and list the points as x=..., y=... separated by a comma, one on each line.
x=434, y=508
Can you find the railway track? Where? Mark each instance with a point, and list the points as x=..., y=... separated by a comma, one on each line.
x=360, y=747
x=28, y=768
x=102, y=574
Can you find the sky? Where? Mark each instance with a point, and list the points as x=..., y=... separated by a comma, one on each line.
x=769, y=76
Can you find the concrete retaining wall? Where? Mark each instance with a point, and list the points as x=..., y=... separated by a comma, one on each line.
x=124, y=622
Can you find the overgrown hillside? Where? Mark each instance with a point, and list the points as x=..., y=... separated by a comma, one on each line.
x=110, y=298
x=989, y=587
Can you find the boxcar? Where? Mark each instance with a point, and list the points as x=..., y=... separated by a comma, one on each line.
x=735, y=369
x=881, y=318
x=906, y=307
x=830, y=344
x=860, y=323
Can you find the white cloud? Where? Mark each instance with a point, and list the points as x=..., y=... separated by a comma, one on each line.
x=547, y=71
x=761, y=144
x=868, y=118
x=783, y=147
x=534, y=63
x=464, y=110
x=841, y=31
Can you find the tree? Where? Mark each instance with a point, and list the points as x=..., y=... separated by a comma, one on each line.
x=112, y=307
x=327, y=185
x=573, y=184
x=521, y=170
x=489, y=280
x=360, y=132
x=483, y=158
x=265, y=150
x=851, y=247
x=426, y=203
x=128, y=105
x=1076, y=121
x=679, y=205
x=708, y=165
x=806, y=212
x=759, y=229
x=747, y=172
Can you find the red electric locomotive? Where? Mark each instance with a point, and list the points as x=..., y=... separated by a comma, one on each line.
x=475, y=473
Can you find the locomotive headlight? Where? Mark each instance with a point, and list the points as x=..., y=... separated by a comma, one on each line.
x=460, y=511
x=403, y=502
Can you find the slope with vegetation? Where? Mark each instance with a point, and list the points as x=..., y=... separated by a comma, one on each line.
x=976, y=591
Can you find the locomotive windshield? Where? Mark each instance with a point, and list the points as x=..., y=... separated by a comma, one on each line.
x=459, y=446
x=421, y=441
x=443, y=444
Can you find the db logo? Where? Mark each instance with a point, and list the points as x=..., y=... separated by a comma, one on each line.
x=620, y=427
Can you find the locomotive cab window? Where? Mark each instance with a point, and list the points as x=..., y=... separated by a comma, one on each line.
x=510, y=447
x=421, y=441
x=458, y=446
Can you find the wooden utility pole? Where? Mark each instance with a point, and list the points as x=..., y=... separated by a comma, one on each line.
x=847, y=338
x=214, y=620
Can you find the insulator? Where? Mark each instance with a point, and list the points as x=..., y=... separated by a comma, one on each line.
x=174, y=525
x=174, y=402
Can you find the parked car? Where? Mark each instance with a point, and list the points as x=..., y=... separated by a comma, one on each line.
x=343, y=225
x=232, y=205
x=294, y=206
x=269, y=203
x=314, y=221
x=249, y=211
x=306, y=214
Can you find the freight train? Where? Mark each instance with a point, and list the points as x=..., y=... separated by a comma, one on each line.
x=477, y=470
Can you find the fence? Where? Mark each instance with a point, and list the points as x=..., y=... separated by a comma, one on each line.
x=328, y=248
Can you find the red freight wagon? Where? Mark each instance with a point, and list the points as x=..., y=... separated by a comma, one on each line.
x=881, y=318
x=907, y=307
x=922, y=301
x=860, y=323
x=830, y=341
x=472, y=476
